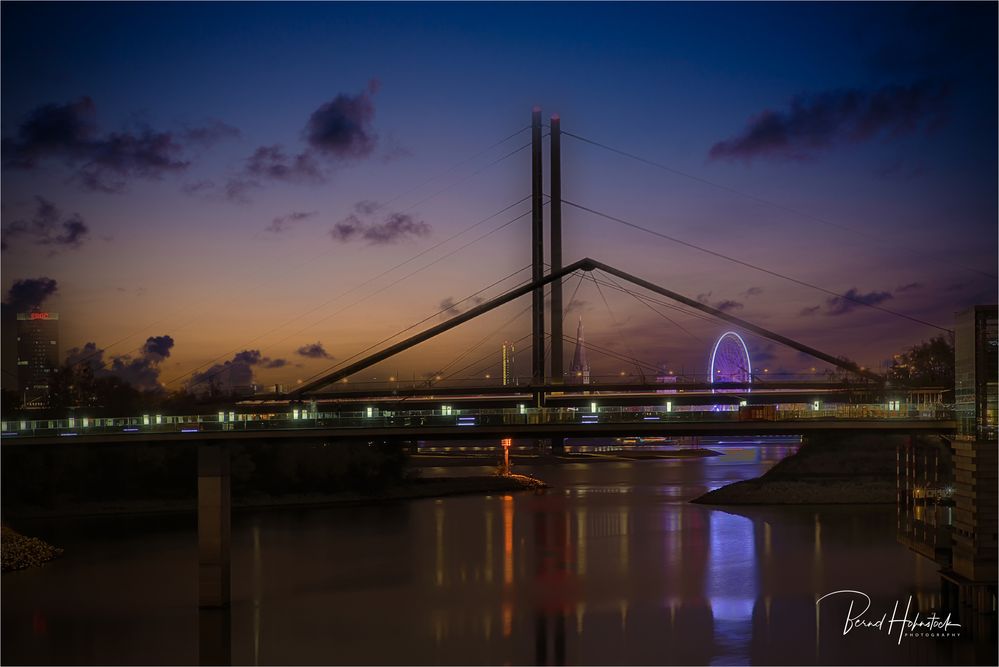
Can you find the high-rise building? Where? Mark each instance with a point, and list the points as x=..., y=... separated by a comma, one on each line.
x=579, y=371
x=508, y=352
x=975, y=535
x=37, y=355
x=976, y=357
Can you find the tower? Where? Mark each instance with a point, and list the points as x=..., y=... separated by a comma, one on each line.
x=37, y=355
x=579, y=372
x=508, y=352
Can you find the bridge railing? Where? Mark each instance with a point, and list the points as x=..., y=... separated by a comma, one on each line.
x=457, y=418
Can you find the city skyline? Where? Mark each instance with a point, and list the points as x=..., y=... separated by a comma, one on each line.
x=222, y=186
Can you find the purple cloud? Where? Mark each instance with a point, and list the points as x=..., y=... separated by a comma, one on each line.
x=841, y=305
x=816, y=122
x=211, y=133
x=103, y=163
x=45, y=228
x=30, y=293
x=341, y=128
x=271, y=162
x=141, y=371
x=393, y=227
x=314, y=351
x=284, y=222
x=726, y=305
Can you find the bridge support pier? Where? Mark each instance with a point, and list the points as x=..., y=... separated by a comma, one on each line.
x=214, y=516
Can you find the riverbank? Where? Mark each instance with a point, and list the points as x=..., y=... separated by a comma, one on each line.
x=445, y=459
x=827, y=469
x=18, y=552
x=411, y=489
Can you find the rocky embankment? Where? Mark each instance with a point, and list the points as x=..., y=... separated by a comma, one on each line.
x=827, y=469
x=20, y=552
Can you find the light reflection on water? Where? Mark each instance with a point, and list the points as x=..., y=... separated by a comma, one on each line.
x=610, y=566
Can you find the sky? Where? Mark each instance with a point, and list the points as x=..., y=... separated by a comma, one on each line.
x=282, y=186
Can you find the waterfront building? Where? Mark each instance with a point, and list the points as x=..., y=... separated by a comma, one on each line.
x=975, y=553
x=37, y=356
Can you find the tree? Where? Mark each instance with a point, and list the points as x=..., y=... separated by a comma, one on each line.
x=929, y=364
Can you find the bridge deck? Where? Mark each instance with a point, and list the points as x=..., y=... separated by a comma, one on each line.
x=411, y=431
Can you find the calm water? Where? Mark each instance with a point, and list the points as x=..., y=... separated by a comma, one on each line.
x=610, y=566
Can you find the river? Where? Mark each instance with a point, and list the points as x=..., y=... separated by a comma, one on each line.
x=611, y=565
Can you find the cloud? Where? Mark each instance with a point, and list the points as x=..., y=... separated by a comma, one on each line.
x=52, y=130
x=68, y=133
x=726, y=305
x=393, y=227
x=141, y=371
x=908, y=288
x=752, y=291
x=238, y=190
x=341, y=128
x=853, y=298
x=847, y=303
x=396, y=226
x=30, y=293
x=211, y=133
x=233, y=374
x=814, y=122
x=284, y=222
x=314, y=351
x=45, y=228
x=198, y=187
x=88, y=354
x=157, y=347
x=449, y=308
x=271, y=162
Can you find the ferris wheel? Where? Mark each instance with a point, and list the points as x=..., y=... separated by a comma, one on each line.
x=730, y=360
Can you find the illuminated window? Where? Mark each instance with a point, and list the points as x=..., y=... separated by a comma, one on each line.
x=593, y=407
x=669, y=406
x=371, y=412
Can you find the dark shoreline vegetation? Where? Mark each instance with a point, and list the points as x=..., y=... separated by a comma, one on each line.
x=826, y=470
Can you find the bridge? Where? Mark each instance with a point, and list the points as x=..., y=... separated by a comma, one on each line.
x=730, y=400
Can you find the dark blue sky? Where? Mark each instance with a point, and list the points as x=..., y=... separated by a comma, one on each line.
x=206, y=147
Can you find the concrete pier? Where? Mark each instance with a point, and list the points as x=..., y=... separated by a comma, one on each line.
x=214, y=515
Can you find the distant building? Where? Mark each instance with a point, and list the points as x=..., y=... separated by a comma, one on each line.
x=579, y=371
x=507, y=357
x=37, y=356
x=976, y=358
x=665, y=376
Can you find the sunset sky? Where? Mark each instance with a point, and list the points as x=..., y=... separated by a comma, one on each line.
x=223, y=174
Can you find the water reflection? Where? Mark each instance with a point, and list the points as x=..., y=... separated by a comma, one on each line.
x=584, y=574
